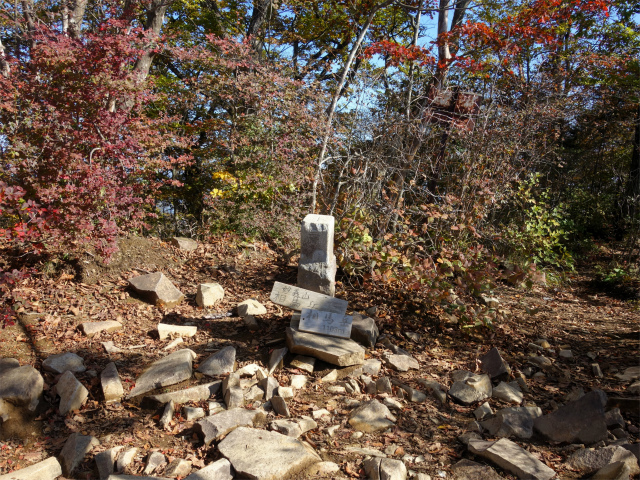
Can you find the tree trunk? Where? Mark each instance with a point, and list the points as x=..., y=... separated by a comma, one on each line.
x=262, y=10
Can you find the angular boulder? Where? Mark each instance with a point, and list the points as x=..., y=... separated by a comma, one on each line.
x=364, y=330
x=184, y=243
x=493, y=364
x=92, y=328
x=21, y=386
x=263, y=455
x=474, y=388
x=72, y=393
x=590, y=460
x=157, y=289
x=209, y=294
x=172, y=369
x=372, y=416
x=48, y=469
x=111, y=384
x=194, y=394
x=74, y=450
x=581, y=421
x=63, y=362
x=216, y=426
x=220, y=362
x=512, y=421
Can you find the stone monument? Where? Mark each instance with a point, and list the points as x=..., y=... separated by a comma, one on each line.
x=317, y=266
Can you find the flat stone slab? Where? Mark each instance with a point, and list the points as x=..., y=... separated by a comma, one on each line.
x=220, y=362
x=184, y=243
x=263, y=455
x=219, y=470
x=304, y=363
x=325, y=323
x=581, y=421
x=21, y=386
x=92, y=328
x=63, y=362
x=512, y=458
x=385, y=468
x=401, y=363
x=48, y=469
x=157, y=289
x=106, y=461
x=194, y=394
x=172, y=369
x=165, y=330
x=72, y=393
x=216, y=426
x=299, y=298
x=372, y=416
x=336, y=351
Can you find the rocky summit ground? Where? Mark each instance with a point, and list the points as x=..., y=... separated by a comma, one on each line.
x=572, y=352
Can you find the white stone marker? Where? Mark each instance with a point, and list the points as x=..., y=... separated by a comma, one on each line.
x=298, y=298
x=317, y=266
x=325, y=323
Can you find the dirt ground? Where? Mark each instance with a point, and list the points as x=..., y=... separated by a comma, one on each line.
x=596, y=325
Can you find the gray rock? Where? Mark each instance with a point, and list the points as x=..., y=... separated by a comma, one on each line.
x=126, y=458
x=298, y=381
x=332, y=376
x=254, y=394
x=630, y=374
x=634, y=388
x=590, y=460
x=166, y=330
x=251, y=307
x=475, y=388
x=304, y=363
x=613, y=471
x=378, y=468
x=72, y=393
x=178, y=468
x=184, y=243
x=491, y=302
x=337, y=351
x=369, y=385
x=401, y=363
x=157, y=289
x=167, y=415
x=541, y=361
x=299, y=298
x=174, y=368
x=7, y=364
x=371, y=366
x=383, y=385
x=92, y=328
x=411, y=394
x=294, y=428
x=110, y=348
x=372, y=416
x=317, y=265
x=48, y=469
x=63, y=362
x=392, y=403
x=74, y=450
x=219, y=470
x=493, y=364
x=280, y=406
x=111, y=384
x=276, y=358
x=106, y=461
x=269, y=385
x=234, y=397
x=194, y=394
x=209, y=294
x=512, y=458
x=512, y=421
x=581, y=421
x=216, y=426
x=192, y=413
x=435, y=389
x=483, y=411
x=21, y=386
x=155, y=460
x=364, y=330
x=565, y=354
x=263, y=455
x=220, y=362
x=468, y=470
x=507, y=393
